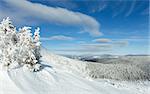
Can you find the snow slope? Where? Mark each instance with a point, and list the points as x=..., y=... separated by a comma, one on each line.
x=61, y=75
x=117, y=71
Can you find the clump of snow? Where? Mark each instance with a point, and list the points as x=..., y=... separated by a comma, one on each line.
x=19, y=48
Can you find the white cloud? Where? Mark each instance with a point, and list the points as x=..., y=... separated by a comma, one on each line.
x=96, y=45
x=86, y=49
x=22, y=9
x=121, y=43
x=94, y=48
x=58, y=37
x=102, y=40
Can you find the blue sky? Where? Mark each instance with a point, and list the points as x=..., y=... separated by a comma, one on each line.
x=84, y=26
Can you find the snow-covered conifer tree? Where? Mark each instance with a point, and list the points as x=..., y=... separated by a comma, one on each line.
x=37, y=43
x=19, y=48
x=7, y=30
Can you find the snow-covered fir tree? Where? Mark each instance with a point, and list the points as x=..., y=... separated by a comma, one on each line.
x=37, y=43
x=19, y=48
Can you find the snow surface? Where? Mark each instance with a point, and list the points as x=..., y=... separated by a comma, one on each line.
x=61, y=75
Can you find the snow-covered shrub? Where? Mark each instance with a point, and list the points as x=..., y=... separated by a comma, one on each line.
x=19, y=48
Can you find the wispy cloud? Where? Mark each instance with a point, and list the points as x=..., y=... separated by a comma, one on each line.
x=131, y=8
x=89, y=48
x=97, y=47
x=121, y=43
x=114, y=42
x=83, y=50
x=102, y=6
x=58, y=37
x=119, y=8
x=99, y=6
x=102, y=40
x=94, y=48
x=23, y=10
